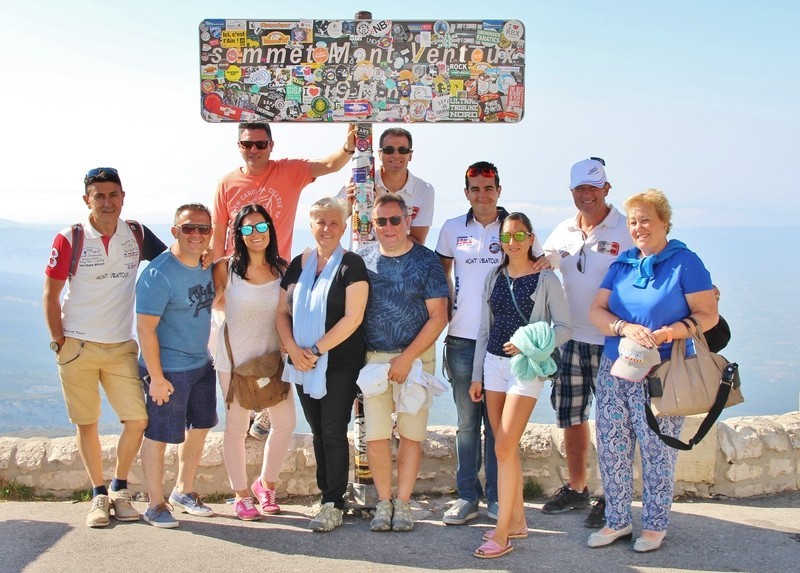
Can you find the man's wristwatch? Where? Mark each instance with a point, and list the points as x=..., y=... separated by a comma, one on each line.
x=315, y=351
x=55, y=346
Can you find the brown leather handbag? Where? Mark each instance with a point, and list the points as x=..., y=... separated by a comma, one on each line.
x=245, y=385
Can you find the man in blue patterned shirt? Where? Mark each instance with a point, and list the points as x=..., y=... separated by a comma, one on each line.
x=406, y=313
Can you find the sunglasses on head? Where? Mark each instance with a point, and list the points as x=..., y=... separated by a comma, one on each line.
x=600, y=159
x=190, y=228
x=258, y=144
x=98, y=170
x=395, y=221
x=247, y=230
x=485, y=172
x=390, y=149
x=519, y=236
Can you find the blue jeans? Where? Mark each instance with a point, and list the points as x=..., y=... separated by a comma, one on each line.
x=459, y=354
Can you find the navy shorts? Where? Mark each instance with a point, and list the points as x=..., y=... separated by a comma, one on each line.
x=573, y=389
x=192, y=405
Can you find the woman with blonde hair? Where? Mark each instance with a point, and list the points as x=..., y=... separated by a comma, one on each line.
x=641, y=307
x=322, y=301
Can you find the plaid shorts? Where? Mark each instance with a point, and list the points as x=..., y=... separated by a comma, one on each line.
x=572, y=392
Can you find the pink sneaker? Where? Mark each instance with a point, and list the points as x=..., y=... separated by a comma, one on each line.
x=266, y=497
x=246, y=509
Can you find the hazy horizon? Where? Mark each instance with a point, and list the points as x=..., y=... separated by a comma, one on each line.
x=755, y=301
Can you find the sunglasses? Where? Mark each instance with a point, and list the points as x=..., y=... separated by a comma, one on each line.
x=395, y=221
x=247, y=230
x=486, y=172
x=519, y=236
x=581, y=264
x=258, y=144
x=600, y=159
x=190, y=228
x=390, y=149
x=98, y=170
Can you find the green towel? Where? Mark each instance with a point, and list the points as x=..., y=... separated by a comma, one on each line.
x=536, y=343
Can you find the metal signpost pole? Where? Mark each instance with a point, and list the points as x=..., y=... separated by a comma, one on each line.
x=361, y=490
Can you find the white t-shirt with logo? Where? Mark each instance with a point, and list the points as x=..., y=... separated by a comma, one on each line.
x=475, y=251
x=600, y=248
x=417, y=193
x=98, y=305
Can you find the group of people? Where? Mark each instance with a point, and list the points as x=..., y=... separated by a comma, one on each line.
x=368, y=321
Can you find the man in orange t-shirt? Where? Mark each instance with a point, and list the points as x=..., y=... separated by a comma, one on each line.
x=275, y=184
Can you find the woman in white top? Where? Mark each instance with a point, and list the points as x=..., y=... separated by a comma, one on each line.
x=248, y=285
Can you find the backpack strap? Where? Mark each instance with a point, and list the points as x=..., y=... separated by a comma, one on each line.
x=77, y=248
x=77, y=243
x=138, y=233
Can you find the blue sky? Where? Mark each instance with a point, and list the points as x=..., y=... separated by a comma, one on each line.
x=698, y=98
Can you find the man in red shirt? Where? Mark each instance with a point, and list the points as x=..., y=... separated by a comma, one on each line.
x=275, y=184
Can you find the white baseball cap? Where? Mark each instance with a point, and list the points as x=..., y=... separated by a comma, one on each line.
x=635, y=361
x=587, y=172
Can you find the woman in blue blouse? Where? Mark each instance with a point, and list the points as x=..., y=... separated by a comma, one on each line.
x=648, y=290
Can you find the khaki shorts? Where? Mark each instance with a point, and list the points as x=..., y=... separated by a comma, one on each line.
x=378, y=409
x=83, y=365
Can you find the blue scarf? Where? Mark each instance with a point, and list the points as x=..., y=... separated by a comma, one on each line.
x=645, y=264
x=309, y=310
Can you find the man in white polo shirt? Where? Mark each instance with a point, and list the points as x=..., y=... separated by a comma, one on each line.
x=582, y=248
x=469, y=248
x=396, y=151
x=91, y=333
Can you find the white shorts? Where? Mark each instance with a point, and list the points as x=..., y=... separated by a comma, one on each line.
x=497, y=377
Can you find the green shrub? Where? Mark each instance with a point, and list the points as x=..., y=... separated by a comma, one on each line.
x=12, y=491
x=532, y=489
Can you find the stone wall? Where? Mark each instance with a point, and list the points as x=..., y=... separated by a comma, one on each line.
x=739, y=457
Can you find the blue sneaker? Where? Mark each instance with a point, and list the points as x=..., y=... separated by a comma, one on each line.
x=491, y=510
x=190, y=503
x=160, y=516
x=461, y=512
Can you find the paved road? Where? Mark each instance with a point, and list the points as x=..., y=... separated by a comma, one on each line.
x=756, y=535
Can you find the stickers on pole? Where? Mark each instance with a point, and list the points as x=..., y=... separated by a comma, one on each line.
x=365, y=71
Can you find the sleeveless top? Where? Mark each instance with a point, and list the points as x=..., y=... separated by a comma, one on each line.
x=250, y=311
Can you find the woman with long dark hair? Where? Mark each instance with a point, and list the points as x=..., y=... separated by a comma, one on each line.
x=248, y=286
x=524, y=318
